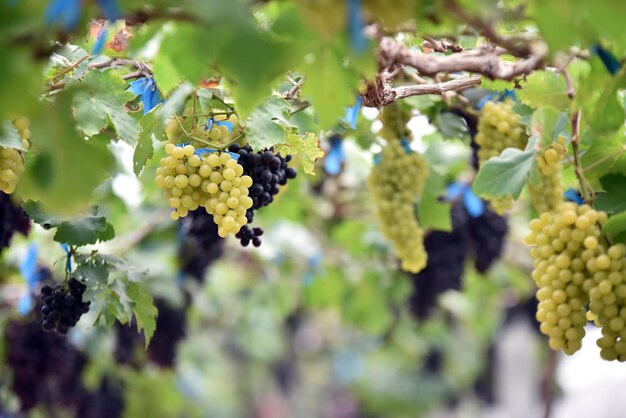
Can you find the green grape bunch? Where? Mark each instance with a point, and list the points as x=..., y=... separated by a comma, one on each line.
x=499, y=128
x=565, y=253
x=214, y=181
x=547, y=194
x=396, y=184
x=11, y=160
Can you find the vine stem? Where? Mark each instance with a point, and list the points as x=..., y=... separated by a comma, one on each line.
x=193, y=111
x=585, y=188
x=70, y=68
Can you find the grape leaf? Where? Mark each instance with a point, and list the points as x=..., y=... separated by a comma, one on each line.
x=36, y=213
x=144, y=310
x=615, y=228
x=174, y=64
x=103, y=98
x=545, y=88
x=329, y=98
x=266, y=125
x=433, y=213
x=451, y=125
x=79, y=231
x=307, y=147
x=115, y=289
x=505, y=176
x=606, y=155
x=10, y=137
x=613, y=199
x=152, y=128
x=82, y=231
x=175, y=103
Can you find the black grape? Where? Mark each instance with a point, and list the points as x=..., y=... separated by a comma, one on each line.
x=269, y=171
x=63, y=305
x=12, y=220
x=171, y=327
x=487, y=237
x=446, y=261
x=46, y=368
x=201, y=245
x=106, y=402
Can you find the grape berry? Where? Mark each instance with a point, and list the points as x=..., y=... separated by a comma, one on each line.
x=63, y=306
x=268, y=171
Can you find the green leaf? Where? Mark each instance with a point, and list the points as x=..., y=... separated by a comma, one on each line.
x=103, y=98
x=144, y=310
x=433, y=213
x=505, y=176
x=10, y=137
x=174, y=64
x=153, y=128
x=451, y=125
x=266, y=125
x=307, y=147
x=549, y=124
x=81, y=231
x=606, y=155
x=545, y=88
x=615, y=228
x=63, y=175
x=36, y=213
x=613, y=199
x=329, y=83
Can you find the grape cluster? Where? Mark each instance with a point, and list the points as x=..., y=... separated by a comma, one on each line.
x=63, y=305
x=396, y=184
x=106, y=402
x=170, y=329
x=268, y=171
x=499, y=128
x=11, y=160
x=446, y=261
x=608, y=299
x=487, y=234
x=547, y=193
x=12, y=219
x=214, y=181
x=481, y=237
x=46, y=368
x=201, y=246
x=218, y=132
x=566, y=253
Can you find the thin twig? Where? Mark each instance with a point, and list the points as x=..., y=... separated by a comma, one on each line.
x=70, y=68
x=571, y=92
x=585, y=188
x=296, y=86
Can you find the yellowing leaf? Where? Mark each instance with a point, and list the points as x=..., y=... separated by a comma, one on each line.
x=307, y=147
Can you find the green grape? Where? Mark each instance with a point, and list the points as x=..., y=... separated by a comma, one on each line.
x=564, y=247
x=499, y=128
x=396, y=184
x=191, y=181
x=608, y=298
x=11, y=160
x=547, y=193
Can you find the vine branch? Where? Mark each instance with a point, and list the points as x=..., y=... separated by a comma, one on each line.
x=483, y=60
